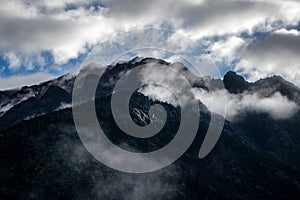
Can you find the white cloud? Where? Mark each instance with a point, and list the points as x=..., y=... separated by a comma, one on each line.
x=159, y=93
x=226, y=51
x=236, y=105
x=288, y=32
x=69, y=28
x=167, y=83
x=21, y=80
x=63, y=105
x=34, y=26
x=16, y=60
x=277, y=106
x=13, y=60
x=43, y=27
x=278, y=54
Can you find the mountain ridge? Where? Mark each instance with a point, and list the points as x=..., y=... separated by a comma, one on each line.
x=43, y=157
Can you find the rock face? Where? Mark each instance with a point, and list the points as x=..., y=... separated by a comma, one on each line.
x=235, y=83
x=43, y=157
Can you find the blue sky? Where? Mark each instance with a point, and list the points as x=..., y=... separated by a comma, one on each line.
x=43, y=39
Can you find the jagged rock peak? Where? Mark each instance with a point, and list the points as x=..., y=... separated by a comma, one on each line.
x=235, y=83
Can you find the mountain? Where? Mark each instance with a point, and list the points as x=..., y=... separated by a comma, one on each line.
x=42, y=156
x=12, y=98
x=279, y=138
x=235, y=83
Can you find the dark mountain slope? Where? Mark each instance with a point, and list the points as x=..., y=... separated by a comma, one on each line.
x=34, y=106
x=43, y=157
x=235, y=83
x=279, y=138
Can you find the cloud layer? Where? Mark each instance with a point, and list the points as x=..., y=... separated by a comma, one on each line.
x=16, y=81
x=256, y=37
x=232, y=106
x=277, y=106
x=278, y=53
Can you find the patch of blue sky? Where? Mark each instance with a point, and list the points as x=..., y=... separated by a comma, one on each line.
x=49, y=66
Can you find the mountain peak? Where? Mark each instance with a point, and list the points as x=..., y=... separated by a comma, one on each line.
x=235, y=83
